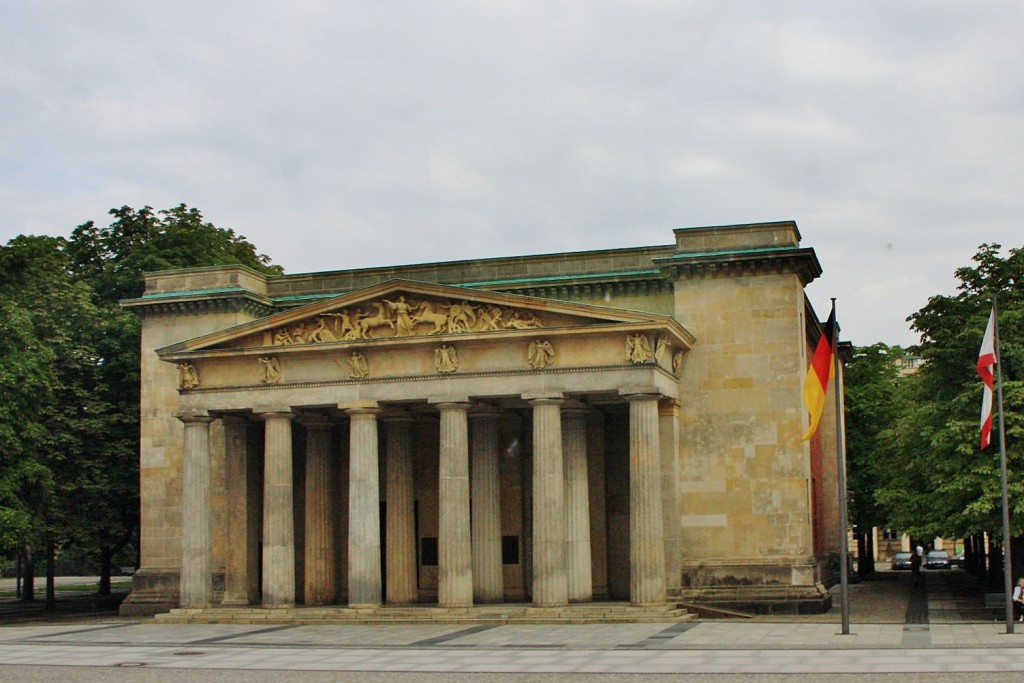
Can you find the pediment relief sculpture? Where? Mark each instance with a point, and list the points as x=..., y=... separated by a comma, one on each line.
x=269, y=370
x=402, y=317
x=358, y=366
x=188, y=376
x=638, y=348
x=677, y=363
x=540, y=354
x=662, y=349
x=446, y=359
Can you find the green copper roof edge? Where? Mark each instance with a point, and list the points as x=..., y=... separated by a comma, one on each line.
x=560, y=278
x=301, y=297
x=733, y=252
x=192, y=292
x=492, y=283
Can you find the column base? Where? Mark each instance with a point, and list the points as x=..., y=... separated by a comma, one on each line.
x=153, y=591
x=782, y=587
x=235, y=601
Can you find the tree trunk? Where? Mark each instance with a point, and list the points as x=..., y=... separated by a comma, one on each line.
x=976, y=564
x=871, y=551
x=995, y=564
x=862, y=554
x=51, y=567
x=28, y=588
x=106, y=554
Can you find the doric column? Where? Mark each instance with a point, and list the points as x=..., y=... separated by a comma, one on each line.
x=668, y=436
x=598, y=503
x=485, y=489
x=278, y=514
x=455, y=555
x=399, y=495
x=196, y=521
x=240, y=581
x=364, y=580
x=646, y=537
x=577, y=504
x=550, y=581
x=320, y=574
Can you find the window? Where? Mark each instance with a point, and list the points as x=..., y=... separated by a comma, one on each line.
x=510, y=550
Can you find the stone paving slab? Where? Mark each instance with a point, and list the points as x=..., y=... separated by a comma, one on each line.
x=520, y=661
x=942, y=641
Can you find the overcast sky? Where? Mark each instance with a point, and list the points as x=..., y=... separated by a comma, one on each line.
x=351, y=134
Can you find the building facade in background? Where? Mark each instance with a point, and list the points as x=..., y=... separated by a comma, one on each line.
x=602, y=425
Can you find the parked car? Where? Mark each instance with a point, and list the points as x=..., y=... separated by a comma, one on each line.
x=901, y=561
x=937, y=559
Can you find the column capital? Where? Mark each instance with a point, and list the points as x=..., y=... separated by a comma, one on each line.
x=485, y=412
x=453, y=405
x=195, y=416
x=574, y=408
x=315, y=421
x=540, y=397
x=283, y=414
x=668, y=407
x=360, y=408
x=641, y=394
x=397, y=416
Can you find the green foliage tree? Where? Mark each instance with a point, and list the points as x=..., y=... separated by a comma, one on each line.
x=52, y=416
x=938, y=481
x=69, y=373
x=113, y=260
x=871, y=379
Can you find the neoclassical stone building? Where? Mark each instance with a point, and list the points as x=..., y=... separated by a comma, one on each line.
x=604, y=425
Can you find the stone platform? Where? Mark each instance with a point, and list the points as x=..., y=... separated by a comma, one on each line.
x=590, y=613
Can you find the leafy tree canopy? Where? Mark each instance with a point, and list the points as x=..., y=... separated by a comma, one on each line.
x=871, y=379
x=936, y=480
x=114, y=258
x=69, y=370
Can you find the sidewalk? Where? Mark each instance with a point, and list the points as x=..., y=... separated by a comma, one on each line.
x=941, y=641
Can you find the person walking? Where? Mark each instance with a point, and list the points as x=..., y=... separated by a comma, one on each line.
x=915, y=567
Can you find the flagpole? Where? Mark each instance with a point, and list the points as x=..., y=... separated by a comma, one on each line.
x=1007, y=563
x=844, y=552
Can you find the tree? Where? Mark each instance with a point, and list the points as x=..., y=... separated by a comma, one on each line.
x=938, y=481
x=112, y=261
x=69, y=375
x=871, y=379
x=51, y=416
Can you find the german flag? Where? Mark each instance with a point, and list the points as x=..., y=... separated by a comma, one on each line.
x=818, y=375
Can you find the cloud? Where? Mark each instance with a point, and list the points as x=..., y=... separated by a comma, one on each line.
x=353, y=134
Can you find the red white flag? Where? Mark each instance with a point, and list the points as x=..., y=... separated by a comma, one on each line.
x=986, y=365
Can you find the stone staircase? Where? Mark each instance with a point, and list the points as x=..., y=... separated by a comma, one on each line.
x=589, y=613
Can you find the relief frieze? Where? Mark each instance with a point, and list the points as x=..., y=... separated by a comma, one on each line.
x=401, y=317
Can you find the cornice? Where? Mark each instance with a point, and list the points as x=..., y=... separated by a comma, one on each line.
x=195, y=303
x=570, y=291
x=802, y=262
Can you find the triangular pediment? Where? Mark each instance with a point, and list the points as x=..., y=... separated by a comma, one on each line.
x=404, y=309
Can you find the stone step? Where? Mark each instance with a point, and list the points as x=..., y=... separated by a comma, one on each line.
x=594, y=613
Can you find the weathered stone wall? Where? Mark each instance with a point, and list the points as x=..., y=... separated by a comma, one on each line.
x=160, y=458
x=745, y=501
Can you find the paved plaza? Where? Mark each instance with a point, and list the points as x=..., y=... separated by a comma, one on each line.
x=933, y=636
